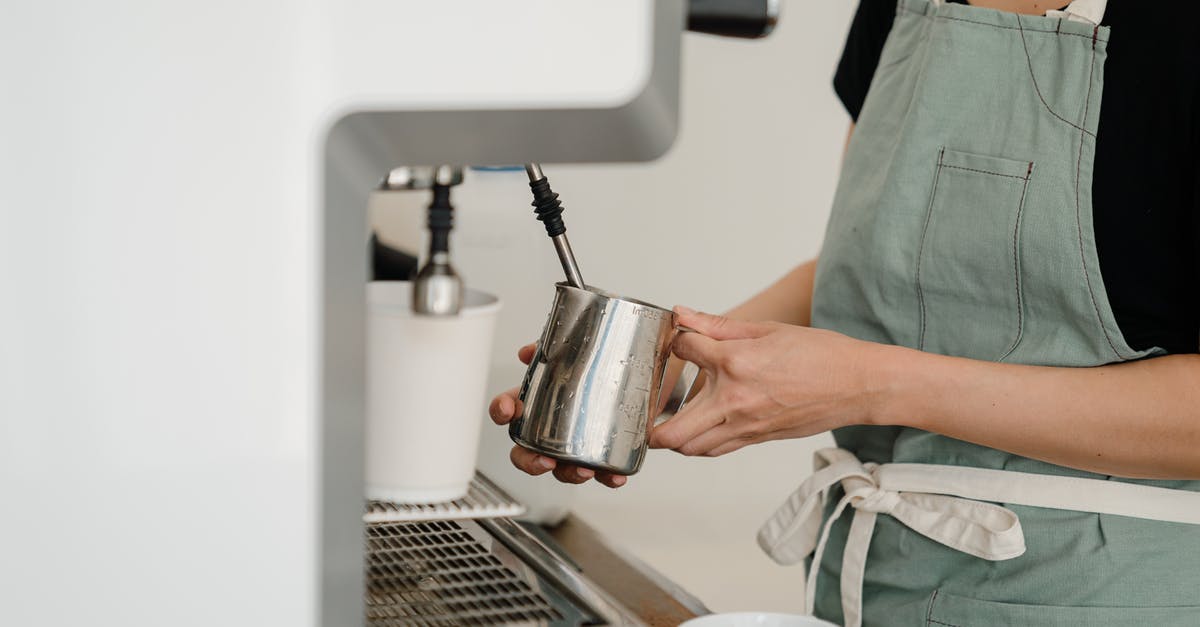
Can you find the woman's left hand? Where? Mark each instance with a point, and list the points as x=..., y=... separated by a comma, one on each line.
x=769, y=381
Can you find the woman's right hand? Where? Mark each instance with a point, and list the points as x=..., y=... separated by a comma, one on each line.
x=507, y=405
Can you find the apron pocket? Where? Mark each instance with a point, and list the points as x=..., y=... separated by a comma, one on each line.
x=968, y=272
x=948, y=610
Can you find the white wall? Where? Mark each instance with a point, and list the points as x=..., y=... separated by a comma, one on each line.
x=742, y=197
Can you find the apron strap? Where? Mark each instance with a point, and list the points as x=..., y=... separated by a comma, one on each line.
x=947, y=504
x=1091, y=11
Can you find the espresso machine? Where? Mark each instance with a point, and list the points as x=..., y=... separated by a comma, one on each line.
x=182, y=246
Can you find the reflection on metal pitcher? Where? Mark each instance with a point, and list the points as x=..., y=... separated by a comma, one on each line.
x=595, y=382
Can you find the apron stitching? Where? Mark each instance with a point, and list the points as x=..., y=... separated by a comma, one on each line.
x=1087, y=275
x=1056, y=31
x=1008, y=176
x=921, y=249
x=1038, y=90
x=1017, y=268
x=929, y=611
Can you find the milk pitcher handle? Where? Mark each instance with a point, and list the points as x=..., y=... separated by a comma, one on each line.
x=684, y=386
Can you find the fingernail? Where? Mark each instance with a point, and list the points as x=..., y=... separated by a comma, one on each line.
x=585, y=473
x=687, y=311
x=619, y=480
x=545, y=463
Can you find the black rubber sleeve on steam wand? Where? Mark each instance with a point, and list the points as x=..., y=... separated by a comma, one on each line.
x=547, y=207
x=441, y=219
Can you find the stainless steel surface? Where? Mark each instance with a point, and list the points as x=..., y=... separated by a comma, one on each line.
x=683, y=390
x=544, y=560
x=483, y=500
x=566, y=257
x=438, y=290
x=422, y=177
x=455, y=573
x=594, y=383
x=534, y=170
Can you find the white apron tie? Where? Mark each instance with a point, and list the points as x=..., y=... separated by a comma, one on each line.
x=942, y=503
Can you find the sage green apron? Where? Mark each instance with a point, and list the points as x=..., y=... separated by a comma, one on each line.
x=962, y=225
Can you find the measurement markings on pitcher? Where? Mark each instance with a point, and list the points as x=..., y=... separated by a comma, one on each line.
x=649, y=314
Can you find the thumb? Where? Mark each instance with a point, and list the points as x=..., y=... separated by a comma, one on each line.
x=718, y=327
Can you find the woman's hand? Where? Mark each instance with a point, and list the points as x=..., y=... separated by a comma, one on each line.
x=506, y=406
x=769, y=381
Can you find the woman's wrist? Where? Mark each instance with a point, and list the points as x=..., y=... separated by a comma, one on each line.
x=897, y=381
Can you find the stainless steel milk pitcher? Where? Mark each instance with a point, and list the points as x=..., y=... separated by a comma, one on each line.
x=596, y=380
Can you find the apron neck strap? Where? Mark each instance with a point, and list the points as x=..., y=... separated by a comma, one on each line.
x=1080, y=10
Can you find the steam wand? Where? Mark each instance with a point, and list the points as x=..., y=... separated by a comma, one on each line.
x=549, y=210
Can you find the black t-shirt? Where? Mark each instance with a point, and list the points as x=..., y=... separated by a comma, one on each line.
x=1146, y=192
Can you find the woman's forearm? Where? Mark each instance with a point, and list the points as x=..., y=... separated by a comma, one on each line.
x=787, y=300
x=1137, y=420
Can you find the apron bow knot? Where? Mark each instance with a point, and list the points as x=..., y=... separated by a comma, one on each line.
x=871, y=498
x=795, y=531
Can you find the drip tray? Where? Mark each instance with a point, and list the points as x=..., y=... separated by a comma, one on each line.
x=456, y=573
x=484, y=499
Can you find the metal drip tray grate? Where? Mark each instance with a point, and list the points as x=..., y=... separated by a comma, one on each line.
x=484, y=499
x=448, y=573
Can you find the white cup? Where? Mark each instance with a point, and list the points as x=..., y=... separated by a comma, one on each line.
x=426, y=387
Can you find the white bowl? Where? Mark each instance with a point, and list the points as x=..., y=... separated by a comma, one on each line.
x=756, y=619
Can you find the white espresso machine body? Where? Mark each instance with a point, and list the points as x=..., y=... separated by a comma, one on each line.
x=183, y=252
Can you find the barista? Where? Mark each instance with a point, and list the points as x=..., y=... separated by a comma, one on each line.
x=1001, y=332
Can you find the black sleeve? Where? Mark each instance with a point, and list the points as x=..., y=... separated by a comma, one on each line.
x=1193, y=63
x=864, y=44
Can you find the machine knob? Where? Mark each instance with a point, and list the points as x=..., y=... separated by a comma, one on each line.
x=747, y=19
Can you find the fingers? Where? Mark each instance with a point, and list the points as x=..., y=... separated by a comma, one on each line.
x=611, y=480
x=715, y=439
x=505, y=407
x=719, y=327
x=535, y=464
x=729, y=446
x=698, y=349
x=697, y=418
x=567, y=473
x=531, y=462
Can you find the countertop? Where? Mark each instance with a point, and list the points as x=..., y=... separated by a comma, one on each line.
x=646, y=594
